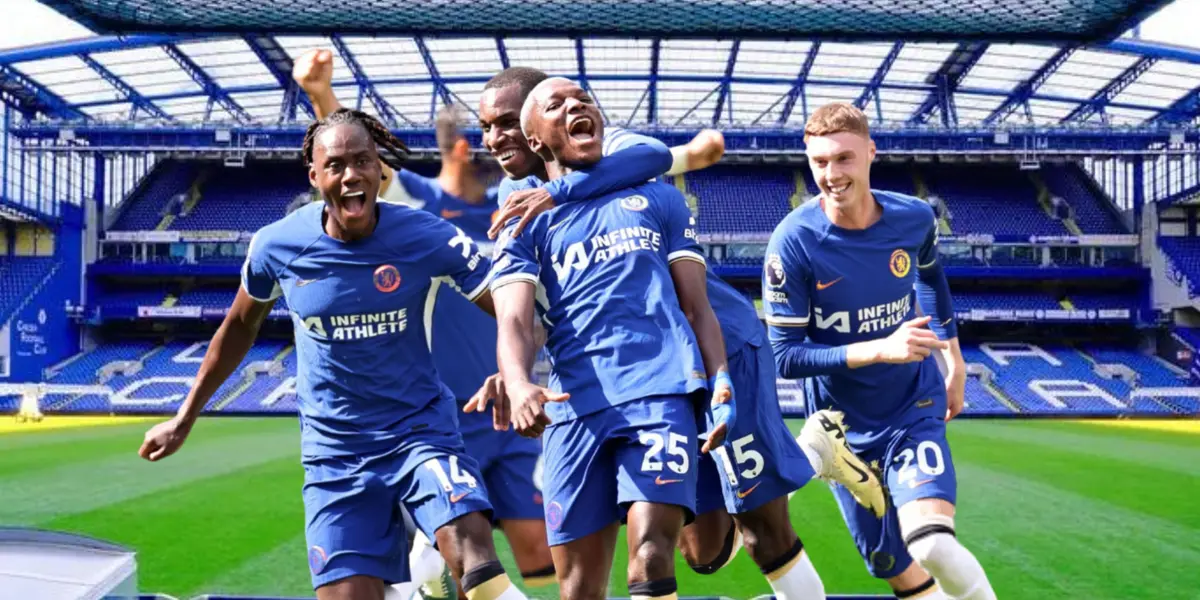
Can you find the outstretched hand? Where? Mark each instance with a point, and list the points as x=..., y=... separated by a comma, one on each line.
x=313, y=71
x=528, y=407
x=491, y=390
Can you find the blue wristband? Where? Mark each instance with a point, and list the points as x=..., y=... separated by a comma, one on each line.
x=721, y=377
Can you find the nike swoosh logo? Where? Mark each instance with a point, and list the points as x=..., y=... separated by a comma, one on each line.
x=861, y=473
x=450, y=214
x=749, y=491
x=919, y=483
x=821, y=285
x=304, y=282
x=660, y=481
x=456, y=497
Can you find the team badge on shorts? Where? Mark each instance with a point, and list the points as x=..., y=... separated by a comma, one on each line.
x=317, y=559
x=637, y=203
x=387, y=278
x=554, y=515
x=775, y=275
x=900, y=263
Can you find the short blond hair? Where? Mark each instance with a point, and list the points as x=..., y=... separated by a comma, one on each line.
x=837, y=117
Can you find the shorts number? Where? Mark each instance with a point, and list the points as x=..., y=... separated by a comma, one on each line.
x=741, y=457
x=929, y=461
x=676, y=447
x=456, y=475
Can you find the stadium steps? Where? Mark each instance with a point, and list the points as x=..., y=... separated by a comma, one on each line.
x=1000, y=396
x=1043, y=198
x=1130, y=399
x=801, y=193
x=692, y=201
x=170, y=300
x=194, y=194
x=37, y=288
x=165, y=223
x=53, y=370
x=247, y=382
x=1067, y=304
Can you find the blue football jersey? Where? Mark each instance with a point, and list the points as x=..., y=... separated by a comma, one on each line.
x=738, y=317
x=845, y=286
x=365, y=377
x=615, y=331
x=464, y=345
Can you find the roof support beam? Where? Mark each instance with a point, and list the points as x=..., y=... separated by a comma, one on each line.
x=503, y=51
x=32, y=98
x=365, y=85
x=798, y=86
x=439, y=86
x=652, y=86
x=277, y=61
x=726, y=81
x=1019, y=98
x=139, y=101
x=1111, y=90
x=947, y=79
x=215, y=92
x=872, y=89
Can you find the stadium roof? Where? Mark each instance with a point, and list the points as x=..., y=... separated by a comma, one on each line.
x=658, y=82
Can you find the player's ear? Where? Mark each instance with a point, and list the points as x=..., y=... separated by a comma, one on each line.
x=312, y=177
x=870, y=150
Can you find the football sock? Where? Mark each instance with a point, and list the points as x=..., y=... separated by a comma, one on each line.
x=793, y=577
x=957, y=571
x=489, y=582
x=926, y=591
x=659, y=589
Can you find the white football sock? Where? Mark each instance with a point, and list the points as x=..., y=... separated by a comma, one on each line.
x=956, y=570
x=425, y=564
x=797, y=580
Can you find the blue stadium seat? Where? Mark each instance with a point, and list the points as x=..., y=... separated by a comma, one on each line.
x=997, y=199
x=145, y=209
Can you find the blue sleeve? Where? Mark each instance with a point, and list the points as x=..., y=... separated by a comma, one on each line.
x=258, y=274
x=458, y=258
x=513, y=259
x=933, y=290
x=508, y=186
x=786, y=281
x=629, y=159
x=679, y=226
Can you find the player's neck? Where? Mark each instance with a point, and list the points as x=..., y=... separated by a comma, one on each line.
x=858, y=214
x=335, y=231
x=459, y=180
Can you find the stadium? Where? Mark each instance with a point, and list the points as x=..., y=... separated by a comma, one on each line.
x=1059, y=150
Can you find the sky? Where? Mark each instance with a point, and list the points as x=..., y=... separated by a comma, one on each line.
x=28, y=22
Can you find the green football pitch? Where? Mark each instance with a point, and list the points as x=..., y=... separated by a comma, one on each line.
x=1052, y=509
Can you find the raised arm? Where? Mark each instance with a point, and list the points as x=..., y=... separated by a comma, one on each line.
x=313, y=72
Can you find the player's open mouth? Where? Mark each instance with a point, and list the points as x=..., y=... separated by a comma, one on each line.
x=839, y=189
x=582, y=129
x=353, y=203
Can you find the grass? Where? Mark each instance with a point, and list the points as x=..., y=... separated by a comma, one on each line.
x=1052, y=509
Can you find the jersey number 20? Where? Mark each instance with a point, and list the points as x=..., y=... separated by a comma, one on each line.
x=929, y=461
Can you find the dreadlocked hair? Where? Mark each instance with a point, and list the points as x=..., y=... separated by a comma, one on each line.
x=392, y=151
